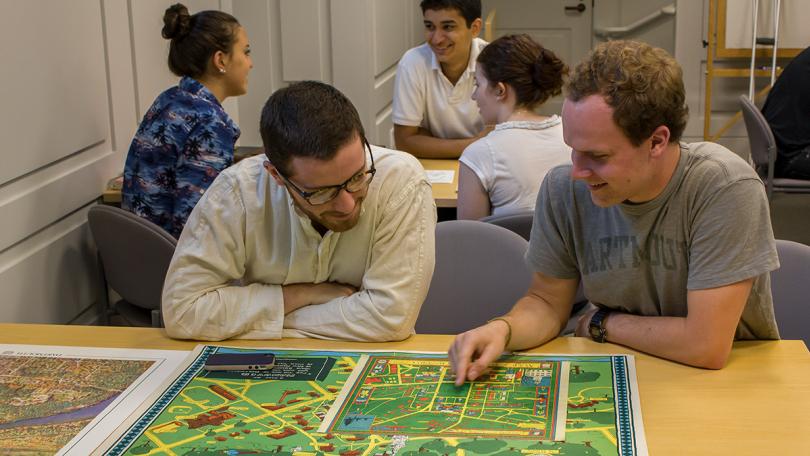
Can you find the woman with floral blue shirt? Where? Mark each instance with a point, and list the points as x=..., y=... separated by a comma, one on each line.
x=186, y=138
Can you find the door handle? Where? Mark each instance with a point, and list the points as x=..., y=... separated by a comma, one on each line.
x=579, y=8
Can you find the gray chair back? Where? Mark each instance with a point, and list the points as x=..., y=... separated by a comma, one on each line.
x=763, y=151
x=480, y=274
x=790, y=287
x=135, y=255
x=520, y=223
x=760, y=136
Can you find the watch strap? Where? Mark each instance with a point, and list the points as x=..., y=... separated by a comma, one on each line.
x=596, y=328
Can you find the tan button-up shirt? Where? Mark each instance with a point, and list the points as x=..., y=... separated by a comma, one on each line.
x=245, y=239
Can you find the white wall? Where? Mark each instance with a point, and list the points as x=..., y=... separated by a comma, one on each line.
x=72, y=100
x=58, y=150
x=352, y=44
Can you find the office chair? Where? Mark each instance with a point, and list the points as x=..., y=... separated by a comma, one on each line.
x=519, y=222
x=790, y=287
x=763, y=151
x=134, y=254
x=479, y=274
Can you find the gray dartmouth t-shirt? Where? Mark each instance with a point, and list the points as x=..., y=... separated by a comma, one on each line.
x=709, y=227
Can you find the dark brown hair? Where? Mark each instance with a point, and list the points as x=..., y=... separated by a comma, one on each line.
x=195, y=38
x=643, y=84
x=534, y=72
x=470, y=10
x=307, y=119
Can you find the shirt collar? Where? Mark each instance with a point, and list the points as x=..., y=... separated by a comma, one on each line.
x=196, y=88
x=669, y=189
x=475, y=49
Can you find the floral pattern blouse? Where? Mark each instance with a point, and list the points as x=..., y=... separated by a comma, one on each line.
x=184, y=141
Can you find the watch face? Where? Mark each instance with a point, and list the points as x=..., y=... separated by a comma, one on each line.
x=595, y=332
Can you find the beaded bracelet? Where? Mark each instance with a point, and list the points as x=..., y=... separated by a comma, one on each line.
x=508, y=326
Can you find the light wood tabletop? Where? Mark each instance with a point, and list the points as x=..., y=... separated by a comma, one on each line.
x=758, y=404
x=446, y=195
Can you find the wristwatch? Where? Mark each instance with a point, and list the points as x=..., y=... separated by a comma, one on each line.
x=597, y=325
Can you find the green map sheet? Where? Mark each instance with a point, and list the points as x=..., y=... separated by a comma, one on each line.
x=317, y=403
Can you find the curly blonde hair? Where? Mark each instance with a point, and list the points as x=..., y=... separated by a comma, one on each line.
x=643, y=84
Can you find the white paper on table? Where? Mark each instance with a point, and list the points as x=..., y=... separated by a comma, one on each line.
x=436, y=176
x=164, y=363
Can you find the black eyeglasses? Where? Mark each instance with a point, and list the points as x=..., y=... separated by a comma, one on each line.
x=356, y=183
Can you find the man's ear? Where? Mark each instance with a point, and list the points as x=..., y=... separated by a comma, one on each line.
x=475, y=27
x=273, y=173
x=659, y=140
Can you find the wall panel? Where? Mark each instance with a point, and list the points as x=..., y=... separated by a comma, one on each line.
x=54, y=86
x=150, y=49
x=368, y=39
x=57, y=123
x=305, y=47
x=390, y=34
x=261, y=20
x=50, y=278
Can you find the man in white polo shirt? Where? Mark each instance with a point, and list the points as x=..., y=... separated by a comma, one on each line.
x=434, y=114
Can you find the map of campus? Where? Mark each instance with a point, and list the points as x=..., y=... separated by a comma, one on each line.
x=45, y=401
x=417, y=396
x=317, y=403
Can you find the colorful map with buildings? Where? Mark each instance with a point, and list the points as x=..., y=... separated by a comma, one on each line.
x=416, y=395
x=46, y=401
x=317, y=403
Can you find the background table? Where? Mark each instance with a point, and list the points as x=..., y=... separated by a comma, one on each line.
x=759, y=404
x=446, y=195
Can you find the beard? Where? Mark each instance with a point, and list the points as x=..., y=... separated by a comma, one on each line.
x=332, y=220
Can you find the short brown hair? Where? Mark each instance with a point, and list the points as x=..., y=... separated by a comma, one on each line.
x=643, y=84
x=534, y=72
x=307, y=119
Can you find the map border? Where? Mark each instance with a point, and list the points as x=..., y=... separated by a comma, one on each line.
x=630, y=434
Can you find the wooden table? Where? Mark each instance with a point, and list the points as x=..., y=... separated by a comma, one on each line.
x=446, y=195
x=757, y=405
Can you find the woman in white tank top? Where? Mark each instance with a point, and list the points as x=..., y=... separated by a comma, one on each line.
x=502, y=172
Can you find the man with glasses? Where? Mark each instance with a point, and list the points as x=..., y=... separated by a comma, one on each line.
x=325, y=236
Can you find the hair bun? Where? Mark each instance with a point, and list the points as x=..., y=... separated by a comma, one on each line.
x=176, y=22
x=548, y=69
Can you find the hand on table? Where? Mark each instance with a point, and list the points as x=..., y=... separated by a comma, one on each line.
x=474, y=350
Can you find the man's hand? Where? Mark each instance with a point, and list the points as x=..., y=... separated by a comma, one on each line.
x=304, y=294
x=474, y=350
x=584, y=322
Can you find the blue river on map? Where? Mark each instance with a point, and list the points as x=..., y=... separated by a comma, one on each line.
x=74, y=415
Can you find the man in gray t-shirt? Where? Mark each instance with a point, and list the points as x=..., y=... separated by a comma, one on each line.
x=671, y=241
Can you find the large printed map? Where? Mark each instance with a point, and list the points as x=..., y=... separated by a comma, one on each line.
x=383, y=403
